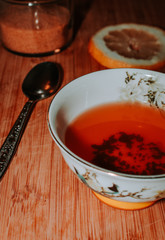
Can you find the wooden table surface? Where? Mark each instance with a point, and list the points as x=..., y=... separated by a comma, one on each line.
x=40, y=198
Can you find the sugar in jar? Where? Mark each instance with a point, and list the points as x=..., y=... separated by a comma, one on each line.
x=39, y=27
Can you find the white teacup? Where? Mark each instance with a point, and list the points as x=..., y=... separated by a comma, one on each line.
x=124, y=191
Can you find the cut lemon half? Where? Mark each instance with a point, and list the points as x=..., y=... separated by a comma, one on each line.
x=129, y=45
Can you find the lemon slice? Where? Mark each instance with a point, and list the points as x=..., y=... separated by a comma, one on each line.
x=129, y=45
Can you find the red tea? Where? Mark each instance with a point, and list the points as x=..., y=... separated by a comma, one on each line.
x=127, y=138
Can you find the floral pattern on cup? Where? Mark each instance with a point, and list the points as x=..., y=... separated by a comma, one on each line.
x=144, y=88
x=91, y=181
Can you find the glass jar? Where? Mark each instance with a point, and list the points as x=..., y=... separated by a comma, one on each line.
x=37, y=28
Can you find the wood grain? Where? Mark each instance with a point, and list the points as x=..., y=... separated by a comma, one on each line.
x=40, y=198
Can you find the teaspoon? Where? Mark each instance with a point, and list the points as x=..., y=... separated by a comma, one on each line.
x=40, y=83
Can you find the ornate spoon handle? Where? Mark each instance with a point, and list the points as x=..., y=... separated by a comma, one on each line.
x=11, y=143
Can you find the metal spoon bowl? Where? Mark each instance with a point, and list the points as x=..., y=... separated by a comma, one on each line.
x=40, y=83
